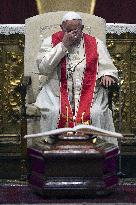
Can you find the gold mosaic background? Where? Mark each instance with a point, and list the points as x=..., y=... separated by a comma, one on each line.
x=11, y=73
x=123, y=51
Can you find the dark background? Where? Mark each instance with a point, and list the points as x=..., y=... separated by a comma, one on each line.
x=114, y=11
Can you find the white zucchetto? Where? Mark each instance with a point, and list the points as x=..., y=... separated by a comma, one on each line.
x=71, y=15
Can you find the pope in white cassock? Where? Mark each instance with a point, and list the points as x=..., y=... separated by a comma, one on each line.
x=79, y=68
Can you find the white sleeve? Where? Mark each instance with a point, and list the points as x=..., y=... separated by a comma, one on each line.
x=49, y=57
x=105, y=64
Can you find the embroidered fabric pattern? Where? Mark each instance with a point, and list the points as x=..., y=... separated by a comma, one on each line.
x=120, y=28
x=8, y=29
x=116, y=28
x=73, y=61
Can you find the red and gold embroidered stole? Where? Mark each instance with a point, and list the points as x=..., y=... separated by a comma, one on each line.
x=67, y=118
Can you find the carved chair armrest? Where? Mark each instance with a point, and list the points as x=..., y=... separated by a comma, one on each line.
x=114, y=88
x=32, y=111
x=21, y=88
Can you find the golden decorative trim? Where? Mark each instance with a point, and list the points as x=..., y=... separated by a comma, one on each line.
x=39, y=6
x=87, y=6
x=92, y=7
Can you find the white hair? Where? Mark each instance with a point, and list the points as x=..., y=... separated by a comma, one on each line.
x=71, y=15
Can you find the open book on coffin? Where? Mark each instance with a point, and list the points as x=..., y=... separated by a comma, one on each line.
x=78, y=129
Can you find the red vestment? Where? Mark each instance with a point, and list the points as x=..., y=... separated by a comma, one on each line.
x=67, y=117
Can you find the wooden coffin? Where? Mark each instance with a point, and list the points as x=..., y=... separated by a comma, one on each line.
x=73, y=167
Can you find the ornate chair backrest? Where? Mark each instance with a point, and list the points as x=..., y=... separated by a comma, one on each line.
x=41, y=26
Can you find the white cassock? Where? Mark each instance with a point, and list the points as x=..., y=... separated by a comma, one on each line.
x=48, y=99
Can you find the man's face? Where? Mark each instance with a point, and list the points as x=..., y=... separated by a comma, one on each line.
x=73, y=25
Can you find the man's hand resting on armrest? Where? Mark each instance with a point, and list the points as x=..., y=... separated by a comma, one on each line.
x=107, y=81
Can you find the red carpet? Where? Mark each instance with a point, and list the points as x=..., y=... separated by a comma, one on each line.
x=16, y=194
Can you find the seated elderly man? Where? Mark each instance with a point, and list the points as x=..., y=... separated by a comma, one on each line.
x=79, y=69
